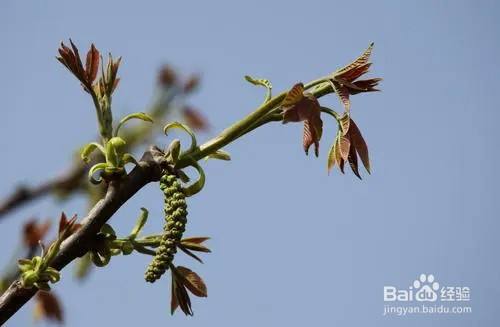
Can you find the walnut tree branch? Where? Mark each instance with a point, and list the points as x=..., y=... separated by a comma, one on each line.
x=148, y=170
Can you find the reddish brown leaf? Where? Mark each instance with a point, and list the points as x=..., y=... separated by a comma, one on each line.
x=92, y=64
x=191, y=84
x=343, y=80
x=354, y=73
x=180, y=297
x=195, y=119
x=189, y=253
x=344, y=147
x=115, y=84
x=67, y=227
x=48, y=307
x=344, y=123
x=299, y=106
x=192, y=281
x=341, y=166
x=70, y=58
x=33, y=232
x=195, y=247
x=63, y=221
x=174, y=303
x=313, y=129
x=78, y=61
x=359, y=144
x=343, y=94
x=196, y=240
x=359, y=62
x=294, y=95
x=367, y=85
x=353, y=162
x=167, y=76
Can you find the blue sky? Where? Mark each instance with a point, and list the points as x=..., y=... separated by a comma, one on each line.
x=291, y=245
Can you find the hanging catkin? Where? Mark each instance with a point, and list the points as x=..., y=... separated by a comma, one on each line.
x=175, y=223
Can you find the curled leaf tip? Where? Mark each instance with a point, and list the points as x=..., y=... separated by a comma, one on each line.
x=187, y=129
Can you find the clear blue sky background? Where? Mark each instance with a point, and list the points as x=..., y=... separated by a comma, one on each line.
x=291, y=245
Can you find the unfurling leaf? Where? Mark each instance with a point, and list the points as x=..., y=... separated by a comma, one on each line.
x=343, y=81
x=67, y=227
x=70, y=58
x=92, y=64
x=346, y=72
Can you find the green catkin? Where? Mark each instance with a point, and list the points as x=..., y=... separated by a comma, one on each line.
x=175, y=222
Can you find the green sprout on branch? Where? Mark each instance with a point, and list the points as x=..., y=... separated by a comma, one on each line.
x=112, y=146
x=36, y=272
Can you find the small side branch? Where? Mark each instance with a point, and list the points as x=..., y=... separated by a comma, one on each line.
x=24, y=194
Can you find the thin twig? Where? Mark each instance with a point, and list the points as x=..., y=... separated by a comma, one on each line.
x=23, y=194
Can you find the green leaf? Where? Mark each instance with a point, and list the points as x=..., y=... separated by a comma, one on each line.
x=95, y=169
x=187, y=129
x=141, y=221
x=137, y=115
x=114, y=149
x=198, y=185
x=99, y=259
x=261, y=82
x=128, y=158
x=89, y=148
x=174, y=150
x=24, y=265
x=220, y=155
